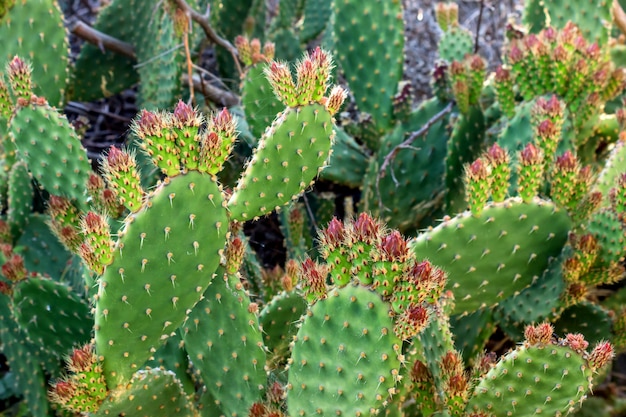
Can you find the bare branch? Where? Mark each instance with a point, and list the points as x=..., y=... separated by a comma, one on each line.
x=214, y=94
x=407, y=144
x=203, y=21
x=102, y=40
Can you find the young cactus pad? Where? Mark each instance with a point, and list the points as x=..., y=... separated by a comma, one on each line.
x=296, y=146
x=164, y=260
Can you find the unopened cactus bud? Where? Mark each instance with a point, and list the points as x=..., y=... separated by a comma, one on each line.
x=477, y=185
x=332, y=236
x=157, y=140
x=403, y=101
x=181, y=23
x=576, y=342
x=365, y=229
x=235, y=252
x=564, y=178
x=218, y=142
x=276, y=393
x=63, y=391
x=322, y=66
x=243, y=48
x=601, y=355
x=185, y=124
x=393, y=247
x=20, y=78
x=269, y=50
x=540, y=334
x=279, y=76
x=453, y=14
x=441, y=15
x=13, y=269
x=411, y=322
x=6, y=288
x=6, y=104
x=81, y=359
x=572, y=270
x=504, y=91
x=305, y=84
x=5, y=232
x=313, y=280
x=530, y=175
x=121, y=173
x=476, y=77
x=255, y=47
x=575, y=293
x=499, y=162
x=62, y=210
x=441, y=87
x=98, y=235
x=257, y=410
x=335, y=99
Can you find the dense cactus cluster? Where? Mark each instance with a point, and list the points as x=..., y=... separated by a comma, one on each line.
x=500, y=203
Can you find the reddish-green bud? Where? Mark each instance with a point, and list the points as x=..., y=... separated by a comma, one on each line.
x=515, y=54
x=6, y=288
x=82, y=359
x=567, y=162
x=576, y=342
x=257, y=410
x=279, y=76
x=335, y=99
x=63, y=391
x=540, y=334
x=393, y=247
x=5, y=232
x=243, y=48
x=269, y=50
x=411, y=322
x=120, y=171
x=313, y=279
x=420, y=372
x=601, y=355
x=276, y=393
x=333, y=235
x=477, y=185
x=20, y=78
x=14, y=269
x=366, y=229
x=549, y=34
x=235, y=252
x=184, y=115
x=500, y=172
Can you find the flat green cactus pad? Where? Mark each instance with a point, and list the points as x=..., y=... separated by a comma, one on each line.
x=165, y=257
x=496, y=254
x=34, y=31
x=150, y=393
x=48, y=144
x=223, y=330
x=546, y=380
x=287, y=159
x=344, y=357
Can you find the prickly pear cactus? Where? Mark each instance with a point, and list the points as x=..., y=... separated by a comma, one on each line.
x=296, y=146
x=164, y=259
x=35, y=29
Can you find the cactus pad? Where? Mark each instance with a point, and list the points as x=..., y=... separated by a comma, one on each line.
x=496, y=254
x=34, y=30
x=345, y=357
x=50, y=147
x=298, y=144
x=222, y=329
x=165, y=257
